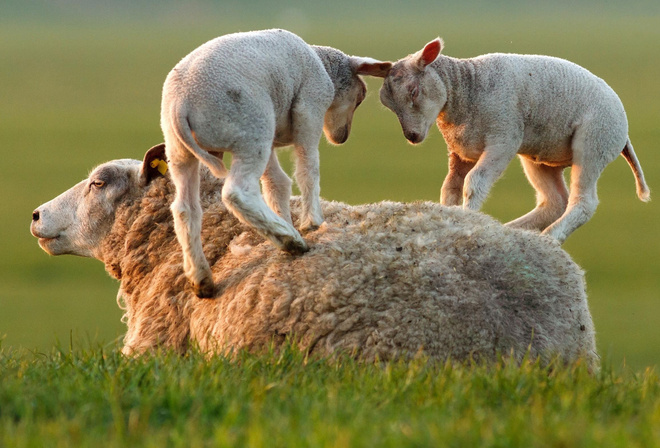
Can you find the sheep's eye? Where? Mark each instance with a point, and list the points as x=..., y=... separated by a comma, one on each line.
x=98, y=184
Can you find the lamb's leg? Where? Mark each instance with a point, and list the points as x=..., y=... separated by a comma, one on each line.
x=551, y=195
x=187, y=213
x=452, y=187
x=277, y=188
x=582, y=203
x=487, y=170
x=241, y=195
x=309, y=126
x=593, y=149
x=308, y=180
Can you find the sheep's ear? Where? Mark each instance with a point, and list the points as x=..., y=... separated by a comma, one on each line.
x=370, y=67
x=429, y=53
x=153, y=165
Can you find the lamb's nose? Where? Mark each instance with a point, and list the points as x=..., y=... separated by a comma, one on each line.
x=35, y=215
x=413, y=137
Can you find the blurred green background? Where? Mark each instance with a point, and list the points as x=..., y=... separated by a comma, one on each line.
x=80, y=84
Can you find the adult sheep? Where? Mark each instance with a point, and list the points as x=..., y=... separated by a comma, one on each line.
x=384, y=280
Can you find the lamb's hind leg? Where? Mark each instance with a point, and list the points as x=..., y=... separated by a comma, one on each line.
x=187, y=214
x=241, y=195
x=582, y=203
x=592, y=152
x=277, y=188
x=551, y=195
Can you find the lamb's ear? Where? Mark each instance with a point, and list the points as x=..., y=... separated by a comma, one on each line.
x=153, y=165
x=370, y=67
x=429, y=53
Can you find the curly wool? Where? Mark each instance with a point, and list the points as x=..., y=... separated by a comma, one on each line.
x=382, y=281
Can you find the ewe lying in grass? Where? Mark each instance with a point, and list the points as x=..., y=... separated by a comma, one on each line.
x=382, y=280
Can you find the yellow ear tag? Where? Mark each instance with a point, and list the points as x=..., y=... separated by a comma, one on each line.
x=161, y=164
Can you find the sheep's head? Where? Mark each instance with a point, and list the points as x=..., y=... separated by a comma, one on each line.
x=76, y=221
x=350, y=91
x=412, y=92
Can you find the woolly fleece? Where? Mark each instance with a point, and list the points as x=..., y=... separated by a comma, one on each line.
x=385, y=281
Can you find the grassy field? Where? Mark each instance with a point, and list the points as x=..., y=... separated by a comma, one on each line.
x=96, y=397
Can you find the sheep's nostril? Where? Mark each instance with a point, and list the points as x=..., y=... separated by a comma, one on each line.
x=35, y=215
x=413, y=137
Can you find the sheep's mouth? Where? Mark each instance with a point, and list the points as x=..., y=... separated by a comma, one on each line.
x=42, y=235
x=43, y=241
x=47, y=243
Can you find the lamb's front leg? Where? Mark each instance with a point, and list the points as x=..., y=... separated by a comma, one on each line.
x=308, y=180
x=490, y=166
x=309, y=123
x=452, y=188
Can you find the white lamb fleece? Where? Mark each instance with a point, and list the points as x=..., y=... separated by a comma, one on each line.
x=385, y=280
x=550, y=112
x=247, y=94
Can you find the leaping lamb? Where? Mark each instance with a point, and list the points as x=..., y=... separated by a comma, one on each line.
x=248, y=93
x=551, y=112
x=381, y=281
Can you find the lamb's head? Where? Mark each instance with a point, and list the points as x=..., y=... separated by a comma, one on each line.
x=413, y=92
x=76, y=221
x=350, y=90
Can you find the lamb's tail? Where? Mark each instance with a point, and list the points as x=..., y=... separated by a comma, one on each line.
x=643, y=191
x=181, y=128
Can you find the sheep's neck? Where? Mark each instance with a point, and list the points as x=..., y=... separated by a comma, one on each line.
x=113, y=249
x=458, y=77
x=329, y=63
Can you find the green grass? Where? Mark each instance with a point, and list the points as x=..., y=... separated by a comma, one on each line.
x=93, y=397
x=82, y=89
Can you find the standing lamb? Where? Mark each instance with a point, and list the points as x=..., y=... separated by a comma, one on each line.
x=549, y=111
x=248, y=93
x=382, y=281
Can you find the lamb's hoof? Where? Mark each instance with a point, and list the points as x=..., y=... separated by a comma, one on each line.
x=294, y=247
x=205, y=289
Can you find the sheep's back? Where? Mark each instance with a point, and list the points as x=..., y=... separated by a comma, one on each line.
x=388, y=280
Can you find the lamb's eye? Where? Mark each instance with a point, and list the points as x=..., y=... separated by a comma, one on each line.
x=98, y=184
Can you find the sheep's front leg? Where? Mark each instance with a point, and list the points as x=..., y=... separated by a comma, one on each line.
x=308, y=176
x=452, y=188
x=308, y=180
x=187, y=214
x=241, y=195
x=277, y=188
x=486, y=171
